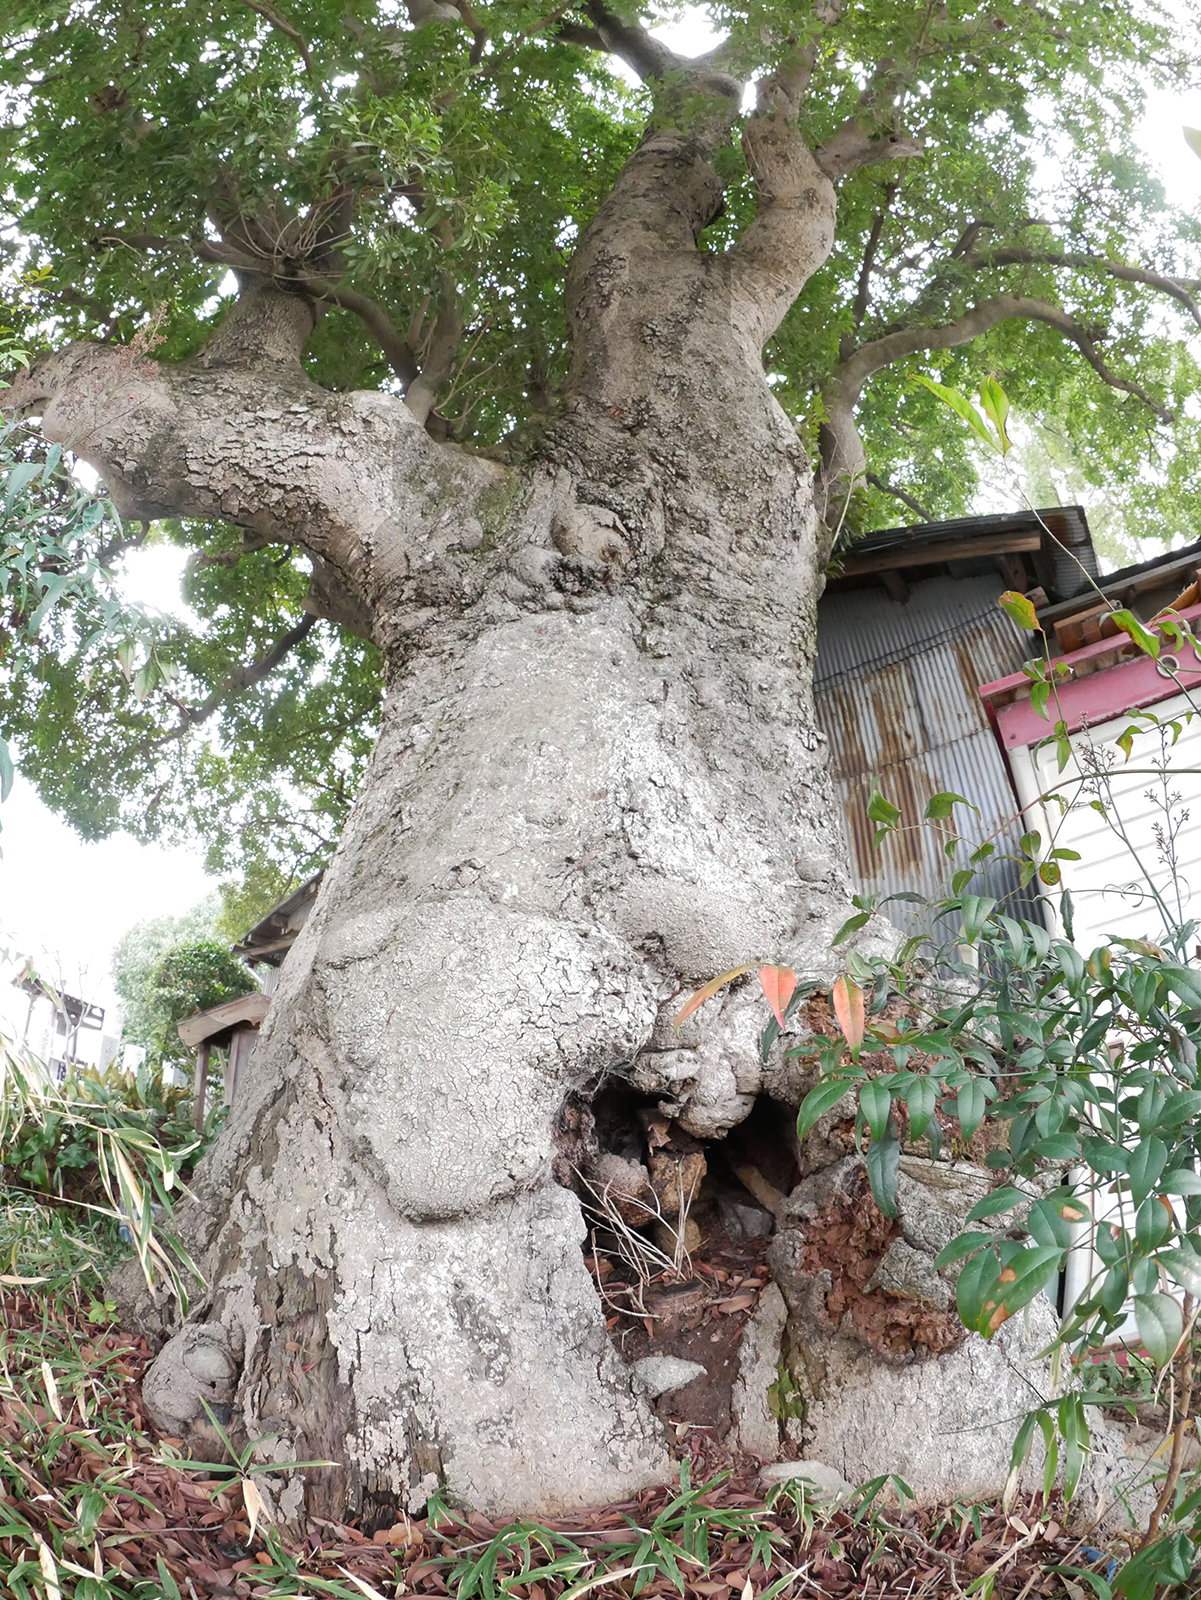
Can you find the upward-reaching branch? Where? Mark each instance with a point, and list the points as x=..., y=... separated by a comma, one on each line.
x=630, y=42
x=843, y=463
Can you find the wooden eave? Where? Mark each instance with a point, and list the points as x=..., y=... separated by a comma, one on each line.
x=248, y=1010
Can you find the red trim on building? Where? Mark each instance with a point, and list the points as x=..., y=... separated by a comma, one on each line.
x=1130, y=682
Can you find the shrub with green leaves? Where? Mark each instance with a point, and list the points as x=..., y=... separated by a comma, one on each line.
x=194, y=977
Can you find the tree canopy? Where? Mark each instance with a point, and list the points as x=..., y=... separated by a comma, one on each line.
x=422, y=173
x=136, y=959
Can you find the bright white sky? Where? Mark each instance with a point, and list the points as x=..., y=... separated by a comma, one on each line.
x=66, y=903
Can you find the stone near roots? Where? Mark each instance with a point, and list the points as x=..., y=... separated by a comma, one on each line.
x=944, y=1423
x=756, y=1428
x=667, y=1236
x=197, y=1366
x=676, y=1179
x=743, y=1221
x=826, y=1480
x=664, y=1374
x=625, y=1184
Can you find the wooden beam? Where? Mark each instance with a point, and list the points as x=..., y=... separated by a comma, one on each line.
x=898, y=557
x=200, y=1086
x=898, y=589
x=1013, y=570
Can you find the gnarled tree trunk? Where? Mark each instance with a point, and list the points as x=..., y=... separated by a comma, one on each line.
x=597, y=783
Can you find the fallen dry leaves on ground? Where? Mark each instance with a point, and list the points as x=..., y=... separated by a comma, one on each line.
x=85, y=1474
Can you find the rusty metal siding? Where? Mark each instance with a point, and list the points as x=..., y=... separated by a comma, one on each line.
x=895, y=688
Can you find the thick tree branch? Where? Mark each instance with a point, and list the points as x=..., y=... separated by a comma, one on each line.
x=577, y=33
x=243, y=678
x=858, y=143
x=641, y=51
x=373, y=317
x=1181, y=290
x=210, y=250
x=240, y=433
x=898, y=494
x=842, y=460
x=440, y=354
x=864, y=285
x=793, y=230
x=851, y=375
x=792, y=77
x=271, y=15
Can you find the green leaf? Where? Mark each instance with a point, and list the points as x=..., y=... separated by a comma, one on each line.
x=883, y=1162
x=850, y=926
x=941, y=805
x=1020, y=610
x=1184, y=1265
x=1147, y=1161
x=996, y=408
x=882, y=811
x=818, y=1101
x=963, y=407
x=921, y=1097
x=1160, y=1325
x=976, y=1283
x=875, y=1103
x=1185, y=983
x=1129, y=623
x=1057, y=1147
x=6, y=771
x=961, y=1245
x=1047, y=1226
x=976, y=909
x=970, y=1106
x=1181, y=1180
x=993, y=1204
x=21, y=476
x=1023, y=1276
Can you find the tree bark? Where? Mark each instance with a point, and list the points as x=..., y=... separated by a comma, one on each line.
x=598, y=782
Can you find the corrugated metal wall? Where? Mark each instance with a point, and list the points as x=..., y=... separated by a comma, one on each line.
x=895, y=688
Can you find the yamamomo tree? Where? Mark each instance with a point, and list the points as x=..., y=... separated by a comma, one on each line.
x=473, y=331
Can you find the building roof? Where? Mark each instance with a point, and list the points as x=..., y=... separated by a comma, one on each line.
x=1051, y=550
x=214, y=1027
x=272, y=938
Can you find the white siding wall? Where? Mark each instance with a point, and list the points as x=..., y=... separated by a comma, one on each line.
x=1109, y=883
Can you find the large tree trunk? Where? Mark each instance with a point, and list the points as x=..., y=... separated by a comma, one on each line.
x=598, y=782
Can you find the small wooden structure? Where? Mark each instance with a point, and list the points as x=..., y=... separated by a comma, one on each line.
x=269, y=941
x=233, y=1026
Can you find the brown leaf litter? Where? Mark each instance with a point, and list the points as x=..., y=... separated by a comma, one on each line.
x=158, y=1518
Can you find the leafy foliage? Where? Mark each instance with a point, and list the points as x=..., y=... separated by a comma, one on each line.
x=194, y=977
x=137, y=957
x=437, y=172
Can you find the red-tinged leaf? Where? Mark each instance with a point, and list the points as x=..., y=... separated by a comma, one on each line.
x=710, y=989
x=1020, y=609
x=779, y=984
x=847, y=999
